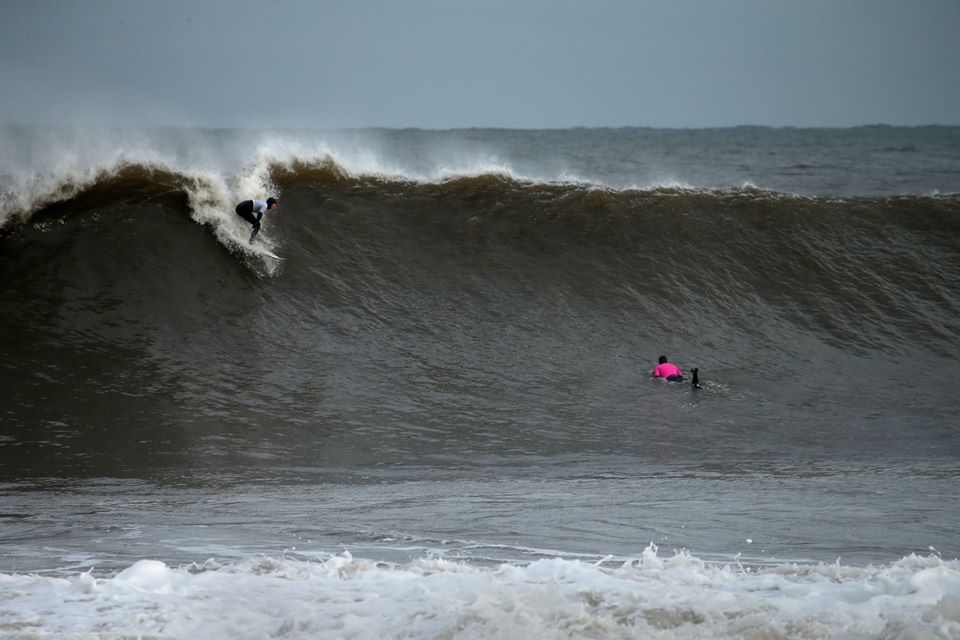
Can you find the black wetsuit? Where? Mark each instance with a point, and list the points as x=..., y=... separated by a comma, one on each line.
x=245, y=211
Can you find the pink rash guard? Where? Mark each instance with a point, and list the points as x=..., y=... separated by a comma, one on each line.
x=666, y=370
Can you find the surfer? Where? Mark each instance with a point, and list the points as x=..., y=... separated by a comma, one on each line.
x=668, y=371
x=672, y=373
x=248, y=208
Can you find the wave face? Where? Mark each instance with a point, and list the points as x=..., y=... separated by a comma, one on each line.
x=451, y=364
x=482, y=298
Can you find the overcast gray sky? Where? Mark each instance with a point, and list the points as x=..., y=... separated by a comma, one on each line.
x=483, y=63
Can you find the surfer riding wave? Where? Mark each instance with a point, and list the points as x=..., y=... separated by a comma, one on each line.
x=247, y=208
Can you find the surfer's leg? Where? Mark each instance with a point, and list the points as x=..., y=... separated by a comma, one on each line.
x=245, y=211
x=256, y=227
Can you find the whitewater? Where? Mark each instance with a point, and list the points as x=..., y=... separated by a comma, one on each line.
x=648, y=597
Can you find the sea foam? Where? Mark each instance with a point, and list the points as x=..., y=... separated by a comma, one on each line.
x=651, y=596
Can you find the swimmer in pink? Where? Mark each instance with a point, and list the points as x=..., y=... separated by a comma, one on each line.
x=667, y=370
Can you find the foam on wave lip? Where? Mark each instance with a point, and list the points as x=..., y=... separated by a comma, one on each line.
x=678, y=596
x=43, y=166
x=56, y=165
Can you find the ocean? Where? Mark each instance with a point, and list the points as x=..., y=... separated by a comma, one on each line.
x=434, y=417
